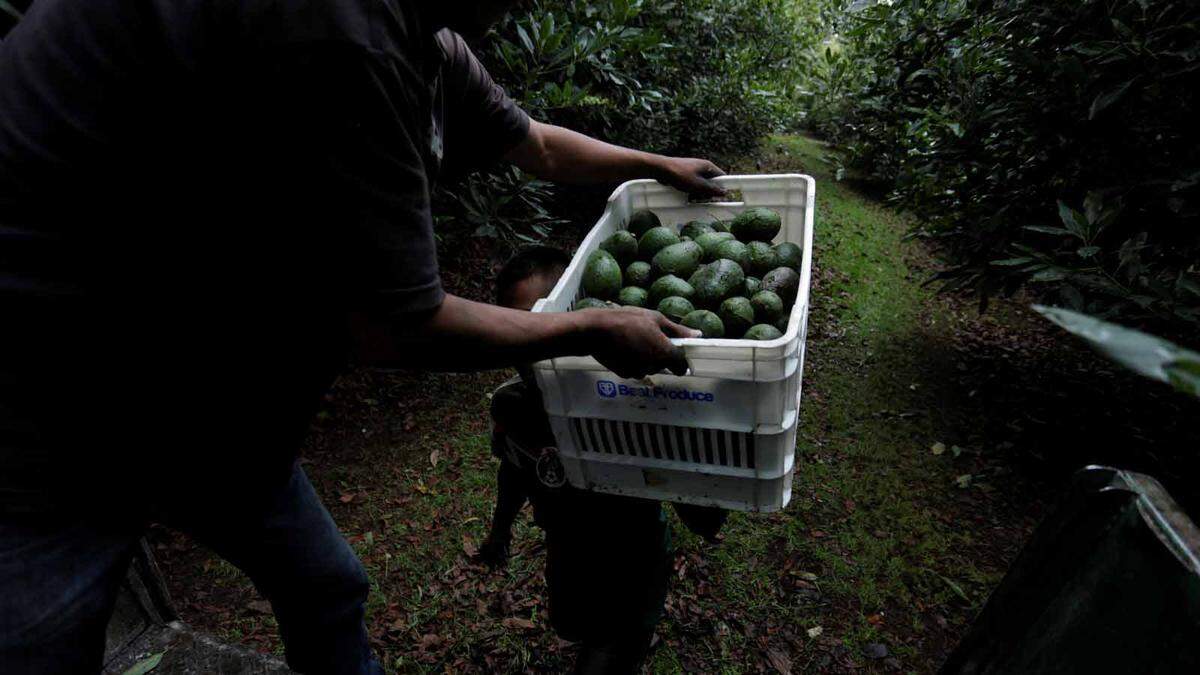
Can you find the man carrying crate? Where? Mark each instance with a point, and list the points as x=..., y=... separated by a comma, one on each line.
x=204, y=207
x=607, y=557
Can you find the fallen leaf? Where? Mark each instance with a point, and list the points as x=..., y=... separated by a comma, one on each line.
x=938, y=448
x=433, y=458
x=346, y=497
x=779, y=661
x=514, y=622
x=875, y=619
x=260, y=606
x=145, y=665
x=469, y=547
x=963, y=481
x=815, y=632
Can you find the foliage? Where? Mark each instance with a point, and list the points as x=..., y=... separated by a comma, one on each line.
x=686, y=77
x=1046, y=143
x=503, y=205
x=1145, y=354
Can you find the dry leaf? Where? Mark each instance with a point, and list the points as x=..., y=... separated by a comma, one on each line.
x=260, y=606
x=938, y=448
x=433, y=458
x=780, y=661
x=514, y=622
x=815, y=632
x=346, y=497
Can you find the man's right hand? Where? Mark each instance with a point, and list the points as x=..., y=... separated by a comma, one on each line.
x=634, y=342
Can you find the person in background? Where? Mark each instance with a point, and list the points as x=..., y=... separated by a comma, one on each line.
x=608, y=558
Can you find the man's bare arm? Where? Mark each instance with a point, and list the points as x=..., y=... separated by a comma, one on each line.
x=561, y=155
x=461, y=335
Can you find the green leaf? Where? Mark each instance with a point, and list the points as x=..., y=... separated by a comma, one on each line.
x=1087, y=251
x=145, y=665
x=1010, y=262
x=1049, y=274
x=7, y=8
x=1145, y=354
x=1108, y=98
x=1047, y=230
x=1073, y=220
x=524, y=37
x=1185, y=375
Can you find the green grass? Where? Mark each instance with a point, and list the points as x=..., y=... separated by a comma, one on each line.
x=876, y=546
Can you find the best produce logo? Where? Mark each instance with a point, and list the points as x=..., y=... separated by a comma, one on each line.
x=608, y=389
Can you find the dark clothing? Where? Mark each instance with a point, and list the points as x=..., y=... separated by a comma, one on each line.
x=193, y=195
x=60, y=578
x=607, y=557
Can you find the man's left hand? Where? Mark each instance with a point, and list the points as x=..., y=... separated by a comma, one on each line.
x=691, y=175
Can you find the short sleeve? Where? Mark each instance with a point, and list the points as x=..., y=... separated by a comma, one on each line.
x=374, y=120
x=482, y=122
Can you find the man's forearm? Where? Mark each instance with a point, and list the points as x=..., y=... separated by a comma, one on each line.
x=564, y=156
x=462, y=335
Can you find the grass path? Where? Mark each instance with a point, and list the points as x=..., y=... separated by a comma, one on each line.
x=881, y=560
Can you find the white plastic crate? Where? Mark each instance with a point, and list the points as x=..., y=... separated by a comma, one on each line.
x=725, y=433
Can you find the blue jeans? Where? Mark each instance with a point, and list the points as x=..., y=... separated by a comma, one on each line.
x=59, y=580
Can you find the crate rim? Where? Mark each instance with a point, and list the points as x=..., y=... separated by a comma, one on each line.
x=801, y=303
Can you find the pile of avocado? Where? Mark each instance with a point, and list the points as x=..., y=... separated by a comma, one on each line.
x=721, y=277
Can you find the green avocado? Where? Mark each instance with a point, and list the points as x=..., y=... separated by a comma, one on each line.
x=733, y=250
x=632, y=296
x=782, y=322
x=706, y=322
x=622, y=245
x=756, y=224
x=721, y=225
x=762, y=331
x=638, y=274
x=602, y=275
x=761, y=258
x=785, y=282
x=592, y=303
x=751, y=286
x=789, y=255
x=737, y=315
x=767, y=306
x=679, y=259
x=716, y=281
x=665, y=287
x=709, y=242
x=641, y=221
x=655, y=240
x=695, y=228
x=675, y=308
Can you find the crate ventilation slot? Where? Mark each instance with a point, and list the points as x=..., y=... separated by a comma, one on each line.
x=661, y=441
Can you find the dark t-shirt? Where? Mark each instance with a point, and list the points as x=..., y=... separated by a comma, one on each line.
x=193, y=195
